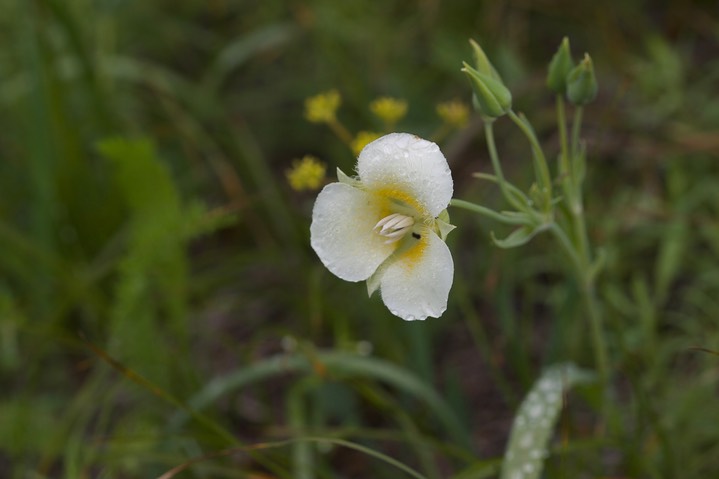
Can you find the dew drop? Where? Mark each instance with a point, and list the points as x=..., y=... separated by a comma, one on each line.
x=535, y=410
x=526, y=440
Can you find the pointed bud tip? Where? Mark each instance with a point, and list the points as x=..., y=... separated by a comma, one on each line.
x=559, y=67
x=481, y=61
x=581, y=82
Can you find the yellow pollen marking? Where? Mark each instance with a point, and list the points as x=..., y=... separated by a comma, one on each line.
x=398, y=201
x=414, y=253
x=411, y=248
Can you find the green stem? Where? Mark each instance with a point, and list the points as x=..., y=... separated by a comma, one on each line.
x=580, y=253
x=513, y=189
x=576, y=203
x=466, y=205
x=595, y=323
x=302, y=452
x=492, y=148
x=584, y=276
x=564, y=170
x=576, y=126
x=541, y=168
x=341, y=132
x=569, y=249
x=576, y=209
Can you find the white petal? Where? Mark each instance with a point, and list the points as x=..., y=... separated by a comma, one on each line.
x=411, y=165
x=417, y=284
x=342, y=233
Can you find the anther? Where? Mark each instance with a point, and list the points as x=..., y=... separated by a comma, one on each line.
x=394, y=226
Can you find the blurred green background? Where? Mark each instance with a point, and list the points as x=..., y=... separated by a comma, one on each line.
x=154, y=261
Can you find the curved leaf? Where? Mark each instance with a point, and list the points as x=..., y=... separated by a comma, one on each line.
x=534, y=423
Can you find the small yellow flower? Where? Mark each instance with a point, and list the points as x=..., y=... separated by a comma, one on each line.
x=454, y=113
x=322, y=108
x=362, y=139
x=306, y=174
x=389, y=110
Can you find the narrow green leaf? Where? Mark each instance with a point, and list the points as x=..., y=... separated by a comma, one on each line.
x=480, y=470
x=518, y=237
x=340, y=364
x=238, y=51
x=671, y=253
x=153, y=275
x=303, y=462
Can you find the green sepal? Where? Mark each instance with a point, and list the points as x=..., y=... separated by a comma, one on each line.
x=443, y=226
x=491, y=98
x=444, y=229
x=347, y=180
x=374, y=281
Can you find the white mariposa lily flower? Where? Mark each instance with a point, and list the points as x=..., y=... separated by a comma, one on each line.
x=387, y=226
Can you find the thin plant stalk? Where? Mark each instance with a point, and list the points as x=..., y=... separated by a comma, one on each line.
x=340, y=130
x=484, y=211
x=578, y=249
x=576, y=127
x=564, y=173
x=540, y=162
x=583, y=272
x=492, y=148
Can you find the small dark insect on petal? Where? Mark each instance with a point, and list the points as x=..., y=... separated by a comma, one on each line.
x=416, y=235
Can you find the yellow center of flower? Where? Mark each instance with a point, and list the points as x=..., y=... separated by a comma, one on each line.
x=395, y=200
x=405, y=222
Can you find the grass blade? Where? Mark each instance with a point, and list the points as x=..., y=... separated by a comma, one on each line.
x=333, y=363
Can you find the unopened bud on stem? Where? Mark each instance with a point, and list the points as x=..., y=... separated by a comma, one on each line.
x=559, y=68
x=482, y=63
x=581, y=82
x=491, y=98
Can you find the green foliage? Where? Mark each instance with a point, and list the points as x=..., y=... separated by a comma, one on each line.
x=159, y=301
x=150, y=295
x=535, y=420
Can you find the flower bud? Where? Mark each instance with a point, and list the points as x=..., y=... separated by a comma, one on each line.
x=581, y=82
x=482, y=63
x=559, y=68
x=491, y=98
